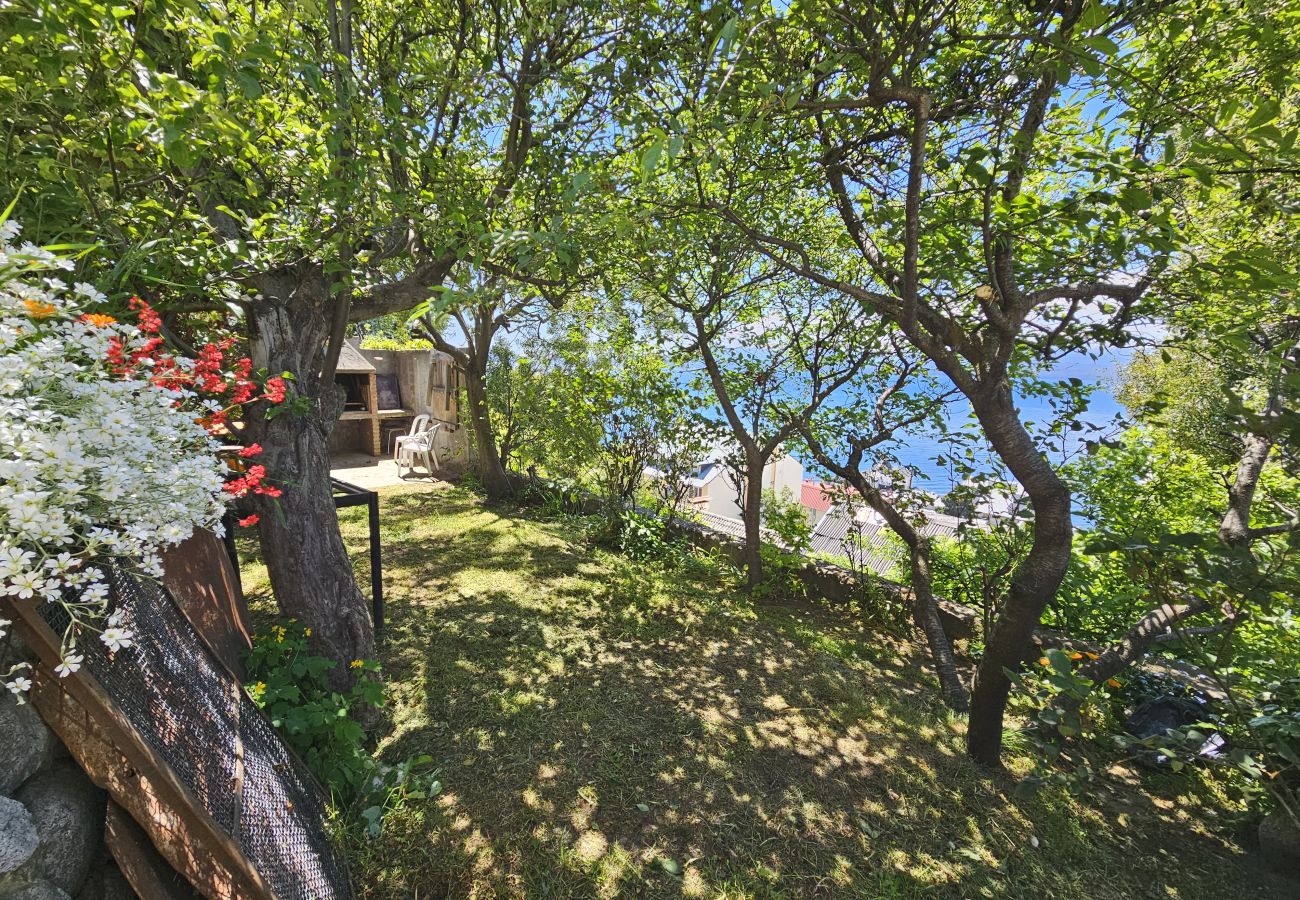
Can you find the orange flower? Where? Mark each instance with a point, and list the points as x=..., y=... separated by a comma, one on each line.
x=38, y=310
x=1044, y=661
x=1076, y=655
x=1114, y=682
x=99, y=320
x=1091, y=655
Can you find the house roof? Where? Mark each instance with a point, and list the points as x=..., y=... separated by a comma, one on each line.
x=815, y=495
x=351, y=362
x=874, y=546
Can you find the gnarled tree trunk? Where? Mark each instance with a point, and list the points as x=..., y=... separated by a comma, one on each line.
x=491, y=470
x=1034, y=582
x=752, y=514
x=306, y=559
x=925, y=608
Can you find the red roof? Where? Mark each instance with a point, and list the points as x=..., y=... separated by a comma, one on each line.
x=815, y=495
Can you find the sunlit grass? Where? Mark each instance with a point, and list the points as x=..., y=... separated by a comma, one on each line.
x=607, y=728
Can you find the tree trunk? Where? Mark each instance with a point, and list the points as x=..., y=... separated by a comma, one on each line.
x=306, y=559
x=491, y=471
x=753, y=518
x=925, y=608
x=1034, y=583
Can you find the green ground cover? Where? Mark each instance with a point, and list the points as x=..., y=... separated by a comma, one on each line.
x=610, y=728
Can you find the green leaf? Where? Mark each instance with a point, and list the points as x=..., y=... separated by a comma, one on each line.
x=1060, y=661
x=650, y=159
x=1094, y=16
x=1267, y=111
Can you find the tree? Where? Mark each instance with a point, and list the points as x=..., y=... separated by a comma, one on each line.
x=980, y=211
x=770, y=350
x=852, y=439
x=304, y=172
x=481, y=313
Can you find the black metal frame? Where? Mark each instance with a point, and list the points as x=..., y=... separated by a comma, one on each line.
x=345, y=495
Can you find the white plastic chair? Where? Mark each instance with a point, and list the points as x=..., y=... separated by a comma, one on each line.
x=420, y=448
x=420, y=423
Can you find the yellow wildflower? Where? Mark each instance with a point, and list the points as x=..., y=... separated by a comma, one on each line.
x=307, y=633
x=356, y=664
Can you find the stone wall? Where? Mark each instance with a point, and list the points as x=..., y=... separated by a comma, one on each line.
x=51, y=814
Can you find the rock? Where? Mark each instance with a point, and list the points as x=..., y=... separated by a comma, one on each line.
x=69, y=814
x=106, y=882
x=1279, y=839
x=34, y=890
x=18, y=837
x=1160, y=715
x=115, y=886
x=26, y=744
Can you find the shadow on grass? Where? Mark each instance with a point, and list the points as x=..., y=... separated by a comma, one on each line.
x=606, y=728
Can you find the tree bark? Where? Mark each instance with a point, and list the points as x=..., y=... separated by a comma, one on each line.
x=311, y=574
x=925, y=608
x=1234, y=529
x=1034, y=582
x=491, y=470
x=753, y=519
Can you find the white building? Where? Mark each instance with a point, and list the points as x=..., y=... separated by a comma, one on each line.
x=713, y=488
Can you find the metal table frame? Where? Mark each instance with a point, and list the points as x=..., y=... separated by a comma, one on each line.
x=345, y=495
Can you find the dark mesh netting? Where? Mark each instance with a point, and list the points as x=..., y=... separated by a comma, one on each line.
x=190, y=710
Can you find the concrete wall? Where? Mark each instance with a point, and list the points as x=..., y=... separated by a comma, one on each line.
x=424, y=393
x=784, y=475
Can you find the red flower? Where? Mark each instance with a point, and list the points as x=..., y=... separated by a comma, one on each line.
x=275, y=389
x=250, y=450
x=149, y=321
x=248, y=521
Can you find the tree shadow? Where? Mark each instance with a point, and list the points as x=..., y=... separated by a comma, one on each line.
x=607, y=728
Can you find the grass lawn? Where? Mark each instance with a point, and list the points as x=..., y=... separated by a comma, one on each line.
x=605, y=728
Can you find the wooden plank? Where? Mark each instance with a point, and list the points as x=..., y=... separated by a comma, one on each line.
x=117, y=758
x=200, y=578
x=144, y=869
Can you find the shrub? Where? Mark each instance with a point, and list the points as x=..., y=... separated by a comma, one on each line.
x=323, y=725
x=109, y=453
x=643, y=537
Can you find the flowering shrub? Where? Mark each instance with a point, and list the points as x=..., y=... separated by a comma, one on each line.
x=107, y=447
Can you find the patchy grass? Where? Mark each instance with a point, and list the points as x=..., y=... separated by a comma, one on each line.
x=606, y=728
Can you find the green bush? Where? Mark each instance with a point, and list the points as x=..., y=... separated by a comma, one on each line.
x=323, y=726
x=787, y=521
x=643, y=537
